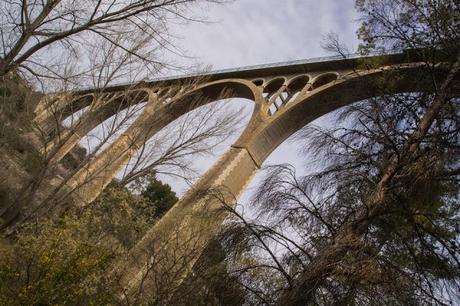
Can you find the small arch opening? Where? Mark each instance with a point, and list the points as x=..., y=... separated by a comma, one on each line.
x=282, y=99
x=174, y=91
x=324, y=79
x=162, y=91
x=298, y=83
x=274, y=85
x=169, y=93
x=279, y=102
x=284, y=95
x=294, y=96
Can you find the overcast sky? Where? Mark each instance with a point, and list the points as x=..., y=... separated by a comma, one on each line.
x=250, y=32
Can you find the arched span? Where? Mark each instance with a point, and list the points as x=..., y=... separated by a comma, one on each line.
x=168, y=110
x=54, y=109
x=187, y=101
x=99, y=105
x=227, y=88
x=105, y=166
x=103, y=106
x=326, y=99
x=63, y=103
x=98, y=111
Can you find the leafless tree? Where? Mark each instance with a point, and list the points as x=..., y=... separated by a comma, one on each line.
x=195, y=134
x=344, y=234
x=374, y=223
x=40, y=39
x=63, y=45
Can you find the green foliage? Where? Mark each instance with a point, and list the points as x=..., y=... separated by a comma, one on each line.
x=53, y=264
x=159, y=196
x=117, y=215
x=73, y=260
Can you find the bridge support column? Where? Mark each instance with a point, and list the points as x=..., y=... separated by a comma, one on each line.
x=48, y=111
x=158, y=264
x=68, y=138
x=101, y=109
x=91, y=179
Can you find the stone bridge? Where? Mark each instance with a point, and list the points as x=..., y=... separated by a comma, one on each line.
x=287, y=96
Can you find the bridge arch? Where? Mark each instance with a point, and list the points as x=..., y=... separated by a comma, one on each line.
x=263, y=133
x=100, y=109
x=299, y=82
x=105, y=105
x=271, y=87
x=54, y=109
x=199, y=213
x=258, y=82
x=324, y=79
x=330, y=96
x=92, y=178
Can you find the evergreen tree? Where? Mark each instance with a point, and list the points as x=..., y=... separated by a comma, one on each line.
x=159, y=196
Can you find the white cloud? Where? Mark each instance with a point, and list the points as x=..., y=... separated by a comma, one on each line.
x=249, y=32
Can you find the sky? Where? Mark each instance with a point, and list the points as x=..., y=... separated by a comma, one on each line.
x=250, y=32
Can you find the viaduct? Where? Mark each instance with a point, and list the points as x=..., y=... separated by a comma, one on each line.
x=287, y=96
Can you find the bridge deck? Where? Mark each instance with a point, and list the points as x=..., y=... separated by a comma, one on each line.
x=333, y=63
